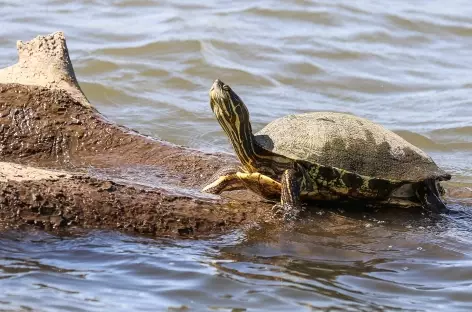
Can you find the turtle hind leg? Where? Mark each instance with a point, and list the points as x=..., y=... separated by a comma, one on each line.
x=430, y=197
x=289, y=206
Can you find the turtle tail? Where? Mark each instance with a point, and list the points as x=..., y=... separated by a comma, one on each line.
x=429, y=194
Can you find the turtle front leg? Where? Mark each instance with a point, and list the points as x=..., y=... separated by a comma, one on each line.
x=225, y=179
x=289, y=206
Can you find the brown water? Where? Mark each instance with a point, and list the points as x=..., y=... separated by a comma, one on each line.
x=149, y=65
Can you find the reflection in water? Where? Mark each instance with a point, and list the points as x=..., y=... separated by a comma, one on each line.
x=368, y=264
x=149, y=65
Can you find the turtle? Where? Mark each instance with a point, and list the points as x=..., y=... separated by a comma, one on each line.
x=322, y=156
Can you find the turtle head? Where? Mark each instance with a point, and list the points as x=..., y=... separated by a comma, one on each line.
x=227, y=106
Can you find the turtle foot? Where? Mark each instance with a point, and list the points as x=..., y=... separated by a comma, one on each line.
x=286, y=212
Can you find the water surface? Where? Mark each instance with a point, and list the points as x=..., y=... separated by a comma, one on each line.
x=149, y=65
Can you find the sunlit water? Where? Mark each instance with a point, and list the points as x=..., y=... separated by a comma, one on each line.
x=149, y=65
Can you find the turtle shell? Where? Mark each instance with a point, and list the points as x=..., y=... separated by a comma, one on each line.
x=348, y=142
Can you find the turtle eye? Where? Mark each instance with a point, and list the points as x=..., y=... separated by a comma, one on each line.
x=225, y=87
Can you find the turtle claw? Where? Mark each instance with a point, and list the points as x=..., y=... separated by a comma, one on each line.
x=287, y=212
x=277, y=210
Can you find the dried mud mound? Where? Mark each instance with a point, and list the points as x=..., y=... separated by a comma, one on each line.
x=49, y=129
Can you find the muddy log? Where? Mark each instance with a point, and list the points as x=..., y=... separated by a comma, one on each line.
x=64, y=164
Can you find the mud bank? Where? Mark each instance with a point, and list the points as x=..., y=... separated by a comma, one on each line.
x=110, y=176
x=56, y=202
